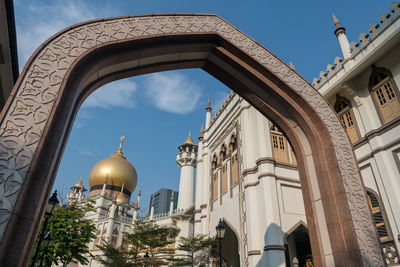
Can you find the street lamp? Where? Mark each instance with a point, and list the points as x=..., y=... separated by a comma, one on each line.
x=50, y=207
x=220, y=235
x=146, y=258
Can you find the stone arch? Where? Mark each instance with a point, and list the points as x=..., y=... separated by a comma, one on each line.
x=63, y=71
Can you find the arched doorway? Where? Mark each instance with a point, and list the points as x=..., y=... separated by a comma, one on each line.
x=298, y=246
x=230, y=245
x=62, y=72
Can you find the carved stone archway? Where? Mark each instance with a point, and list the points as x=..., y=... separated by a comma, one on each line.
x=63, y=71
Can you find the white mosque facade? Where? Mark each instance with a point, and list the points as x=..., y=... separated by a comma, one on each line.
x=243, y=169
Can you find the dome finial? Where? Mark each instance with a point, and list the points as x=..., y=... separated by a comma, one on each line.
x=79, y=183
x=335, y=20
x=338, y=28
x=120, y=145
x=189, y=139
x=119, y=152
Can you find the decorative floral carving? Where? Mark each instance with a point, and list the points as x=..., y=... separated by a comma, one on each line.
x=23, y=124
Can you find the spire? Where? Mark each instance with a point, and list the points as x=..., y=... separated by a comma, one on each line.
x=335, y=21
x=140, y=192
x=172, y=196
x=103, y=191
x=201, y=132
x=340, y=33
x=208, y=108
x=338, y=28
x=119, y=152
x=189, y=140
x=208, y=113
x=79, y=183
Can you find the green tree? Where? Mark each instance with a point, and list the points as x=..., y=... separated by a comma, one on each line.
x=70, y=233
x=198, y=249
x=145, y=237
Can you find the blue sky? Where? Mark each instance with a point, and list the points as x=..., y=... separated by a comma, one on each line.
x=156, y=111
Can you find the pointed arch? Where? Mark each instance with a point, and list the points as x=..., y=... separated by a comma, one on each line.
x=38, y=116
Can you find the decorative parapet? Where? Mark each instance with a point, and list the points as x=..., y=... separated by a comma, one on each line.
x=161, y=216
x=222, y=107
x=374, y=30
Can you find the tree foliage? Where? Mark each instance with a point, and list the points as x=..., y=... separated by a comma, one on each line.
x=146, y=237
x=70, y=233
x=197, y=248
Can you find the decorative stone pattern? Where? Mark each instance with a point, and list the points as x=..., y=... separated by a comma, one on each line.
x=390, y=253
x=25, y=120
x=242, y=199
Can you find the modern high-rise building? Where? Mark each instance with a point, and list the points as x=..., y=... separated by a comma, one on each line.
x=162, y=200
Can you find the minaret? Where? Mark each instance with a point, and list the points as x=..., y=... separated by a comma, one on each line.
x=80, y=197
x=76, y=191
x=171, y=204
x=199, y=182
x=103, y=191
x=186, y=159
x=340, y=33
x=208, y=113
x=137, y=205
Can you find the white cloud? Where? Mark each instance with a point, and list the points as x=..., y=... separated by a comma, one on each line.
x=116, y=94
x=37, y=21
x=86, y=153
x=172, y=92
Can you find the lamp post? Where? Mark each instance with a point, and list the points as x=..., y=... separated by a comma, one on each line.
x=46, y=242
x=220, y=235
x=146, y=258
x=50, y=207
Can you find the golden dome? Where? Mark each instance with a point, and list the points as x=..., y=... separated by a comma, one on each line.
x=189, y=140
x=116, y=170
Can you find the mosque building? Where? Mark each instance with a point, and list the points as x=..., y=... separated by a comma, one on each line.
x=243, y=170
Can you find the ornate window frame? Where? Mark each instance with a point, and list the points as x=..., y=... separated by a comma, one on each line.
x=343, y=105
x=373, y=86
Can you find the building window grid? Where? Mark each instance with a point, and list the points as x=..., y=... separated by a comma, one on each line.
x=275, y=141
x=281, y=143
x=380, y=96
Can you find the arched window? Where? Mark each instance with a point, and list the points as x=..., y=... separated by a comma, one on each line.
x=214, y=162
x=234, y=160
x=222, y=153
x=343, y=109
x=382, y=225
x=214, y=184
x=232, y=144
x=279, y=145
x=384, y=93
